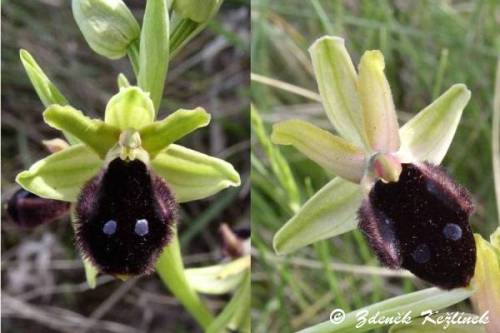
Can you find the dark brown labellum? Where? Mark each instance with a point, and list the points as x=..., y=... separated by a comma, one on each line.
x=124, y=218
x=421, y=223
x=28, y=210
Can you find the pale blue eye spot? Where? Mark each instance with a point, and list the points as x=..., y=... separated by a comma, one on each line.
x=141, y=227
x=109, y=227
x=452, y=231
x=421, y=254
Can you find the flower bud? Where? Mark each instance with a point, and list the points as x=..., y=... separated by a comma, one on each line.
x=28, y=210
x=421, y=223
x=196, y=10
x=124, y=218
x=107, y=25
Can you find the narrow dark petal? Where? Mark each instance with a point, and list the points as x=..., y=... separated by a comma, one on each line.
x=28, y=210
x=125, y=216
x=421, y=223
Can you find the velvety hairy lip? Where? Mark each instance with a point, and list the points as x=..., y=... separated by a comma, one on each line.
x=421, y=223
x=124, y=218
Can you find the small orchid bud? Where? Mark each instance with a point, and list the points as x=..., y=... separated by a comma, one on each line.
x=421, y=223
x=28, y=210
x=108, y=26
x=196, y=10
x=125, y=217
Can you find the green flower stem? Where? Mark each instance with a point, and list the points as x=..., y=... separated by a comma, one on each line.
x=133, y=55
x=171, y=270
x=157, y=136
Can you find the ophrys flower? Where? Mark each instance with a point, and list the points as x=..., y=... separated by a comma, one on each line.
x=126, y=176
x=372, y=155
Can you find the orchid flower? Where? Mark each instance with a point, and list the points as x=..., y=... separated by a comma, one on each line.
x=129, y=132
x=373, y=154
x=369, y=144
x=412, y=213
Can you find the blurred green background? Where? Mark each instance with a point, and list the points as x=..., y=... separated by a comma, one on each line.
x=43, y=283
x=428, y=46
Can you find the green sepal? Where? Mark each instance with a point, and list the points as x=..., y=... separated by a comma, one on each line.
x=95, y=133
x=218, y=279
x=337, y=83
x=154, y=50
x=158, y=135
x=192, y=175
x=379, y=114
x=130, y=108
x=382, y=166
x=330, y=212
x=61, y=176
x=332, y=152
x=428, y=135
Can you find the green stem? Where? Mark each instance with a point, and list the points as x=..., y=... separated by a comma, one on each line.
x=133, y=55
x=171, y=270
